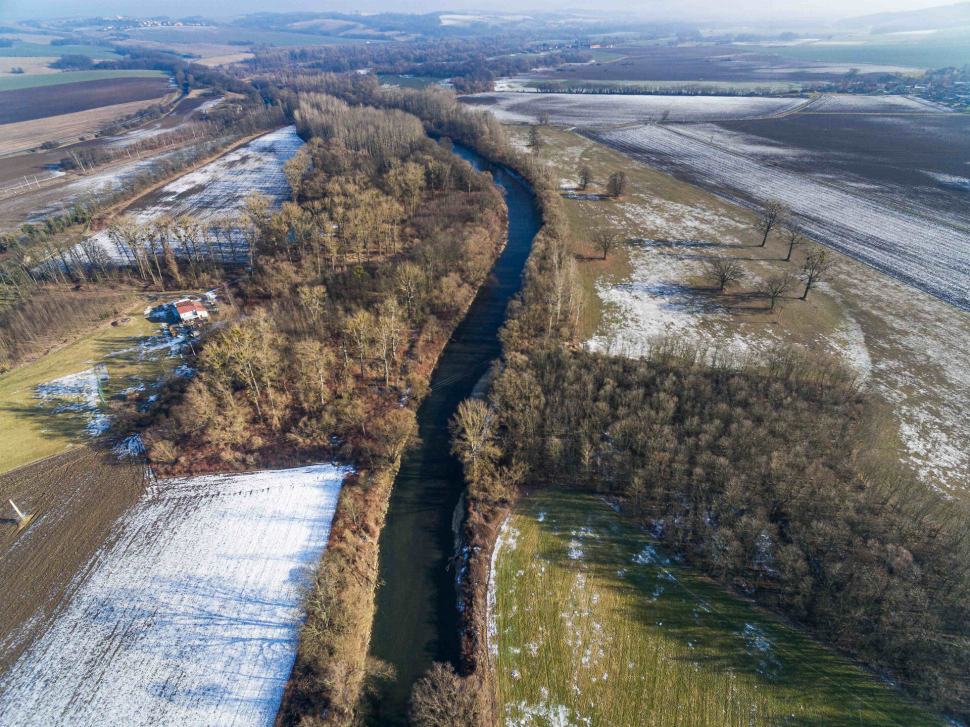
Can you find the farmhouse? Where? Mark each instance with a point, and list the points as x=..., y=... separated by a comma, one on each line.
x=190, y=310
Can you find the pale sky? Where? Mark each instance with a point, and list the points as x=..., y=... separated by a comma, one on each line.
x=654, y=9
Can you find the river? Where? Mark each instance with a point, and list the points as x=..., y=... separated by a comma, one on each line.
x=416, y=621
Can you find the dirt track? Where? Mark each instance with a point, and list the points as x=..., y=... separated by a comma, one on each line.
x=74, y=498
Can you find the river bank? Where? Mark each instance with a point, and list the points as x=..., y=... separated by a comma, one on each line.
x=417, y=620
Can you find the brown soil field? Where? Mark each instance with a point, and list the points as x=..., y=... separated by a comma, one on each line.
x=25, y=135
x=24, y=104
x=13, y=167
x=75, y=499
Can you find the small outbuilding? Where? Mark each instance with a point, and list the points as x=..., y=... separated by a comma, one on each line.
x=190, y=310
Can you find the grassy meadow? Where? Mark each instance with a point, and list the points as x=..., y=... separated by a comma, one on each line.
x=32, y=427
x=594, y=625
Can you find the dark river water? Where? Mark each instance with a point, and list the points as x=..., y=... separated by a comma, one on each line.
x=417, y=617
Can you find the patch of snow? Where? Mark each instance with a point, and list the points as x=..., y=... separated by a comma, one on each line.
x=75, y=393
x=190, y=615
x=592, y=110
x=131, y=447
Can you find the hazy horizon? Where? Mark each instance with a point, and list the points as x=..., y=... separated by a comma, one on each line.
x=696, y=10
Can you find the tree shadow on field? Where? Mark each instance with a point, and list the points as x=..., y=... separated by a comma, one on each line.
x=49, y=424
x=719, y=631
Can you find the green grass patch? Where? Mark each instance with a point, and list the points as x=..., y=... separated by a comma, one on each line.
x=596, y=626
x=418, y=82
x=33, y=50
x=32, y=428
x=12, y=83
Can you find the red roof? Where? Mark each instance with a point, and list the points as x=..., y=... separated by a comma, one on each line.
x=188, y=307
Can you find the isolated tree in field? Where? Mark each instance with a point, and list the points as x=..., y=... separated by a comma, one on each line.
x=793, y=234
x=665, y=115
x=815, y=268
x=535, y=139
x=616, y=185
x=605, y=241
x=543, y=118
x=724, y=272
x=443, y=699
x=585, y=177
x=776, y=286
x=773, y=214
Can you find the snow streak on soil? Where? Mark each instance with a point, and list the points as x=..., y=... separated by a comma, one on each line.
x=220, y=188
x=189, y=616
x=924, y=253
x=571, y=109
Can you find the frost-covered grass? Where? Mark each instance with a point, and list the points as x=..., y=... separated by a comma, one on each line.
x=567, y=109
x=53, y=404
x=189, y=615
x=594, y=625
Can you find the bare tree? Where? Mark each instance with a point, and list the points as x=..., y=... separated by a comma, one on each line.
x=443, y=699
x=665, y=115
x=535, y=139
x=409, y=279
x=360, y=328
x=585, y=177
x=773, y=214
x=793, y=234
x=776, y=286
x=816, y=266
x=616, y=185
x=543, y=118
x=724, y=272
x=606, y=241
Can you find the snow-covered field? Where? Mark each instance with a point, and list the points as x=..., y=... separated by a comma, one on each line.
x=594, y=110
x=851, y=104
x=930, y=255
x=219, y=188
x=189, y=615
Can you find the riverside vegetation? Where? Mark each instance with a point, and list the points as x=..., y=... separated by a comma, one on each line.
x=775, y=477
x=356, y=286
